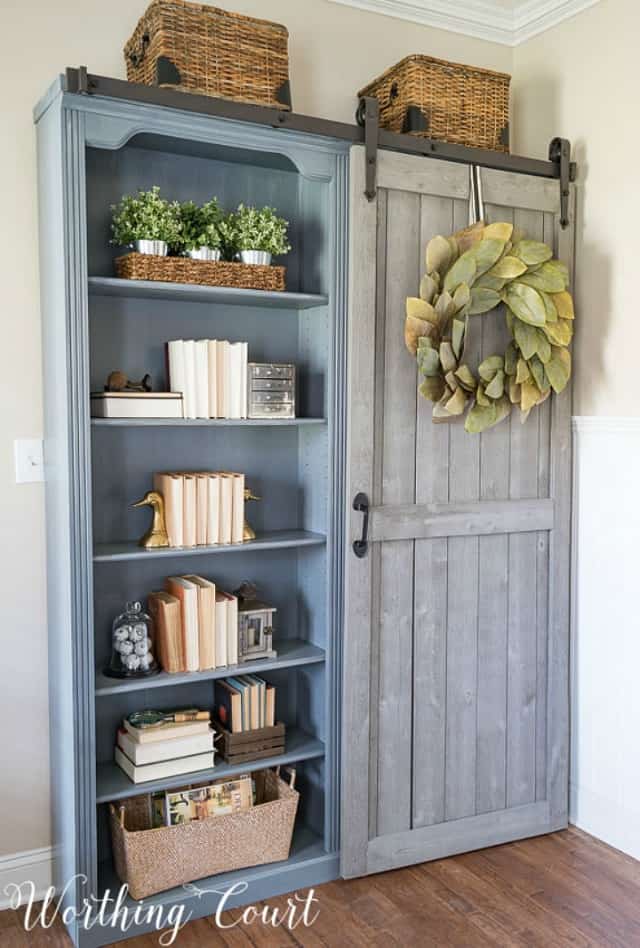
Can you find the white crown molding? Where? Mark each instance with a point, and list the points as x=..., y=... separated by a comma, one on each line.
x=481, y=19
x=34, y=865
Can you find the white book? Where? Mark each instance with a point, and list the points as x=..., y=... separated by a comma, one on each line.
x=221, y=379
x=226, y=507
x=212, y=353
x=213, y=509
x=170, y=730
x=171, y=486
x=232, y=630
x=187, y=593
x=221, y=629
x=177, y=375
x=202, y=378
x=244, y=411
x=136, y=405
x=165, y=768
x=234, y=408
x=202, y=508
x=237, y=508
x=189, y=378
x=170, y=749
x=189, y=510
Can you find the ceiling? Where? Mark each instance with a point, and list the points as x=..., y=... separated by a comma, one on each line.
x=510, y=22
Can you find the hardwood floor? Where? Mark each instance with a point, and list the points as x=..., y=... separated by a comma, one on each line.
x=564, y=889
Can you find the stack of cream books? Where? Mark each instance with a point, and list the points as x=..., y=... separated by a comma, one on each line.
x=212, y=376
x=202, y=508
x=168, y=750
x=196, y=625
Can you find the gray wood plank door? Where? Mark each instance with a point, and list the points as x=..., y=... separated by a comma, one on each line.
x=455, y=701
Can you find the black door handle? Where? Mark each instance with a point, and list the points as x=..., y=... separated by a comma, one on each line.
x=361, y=504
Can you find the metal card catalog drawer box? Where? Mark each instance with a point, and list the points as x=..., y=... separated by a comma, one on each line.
x=271, y=390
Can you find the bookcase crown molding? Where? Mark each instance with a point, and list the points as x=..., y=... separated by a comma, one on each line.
x=508, y=22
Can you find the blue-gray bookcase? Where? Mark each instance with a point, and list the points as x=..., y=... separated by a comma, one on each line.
x=92, y=150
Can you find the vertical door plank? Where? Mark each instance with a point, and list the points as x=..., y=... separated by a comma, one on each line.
x=523, y=555
x=462, y=608
x=397, y=439
x=356, y=707
x=542, y=567
x=560, y=575
x=430, y=593
x=375, y=550
x=493, y=572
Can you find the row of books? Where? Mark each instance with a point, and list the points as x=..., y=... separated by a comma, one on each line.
x=196, y=625
x=212, y=376
x=244, y=703
x=168, y=750
x=202, y=508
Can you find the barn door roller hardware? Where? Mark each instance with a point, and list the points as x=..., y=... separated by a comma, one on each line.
x=368, y=115
x=560, y=155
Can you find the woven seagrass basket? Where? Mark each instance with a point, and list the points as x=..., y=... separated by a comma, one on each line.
x=197, y=48
x=445, y=101
x=145, y=266
x=152, y=860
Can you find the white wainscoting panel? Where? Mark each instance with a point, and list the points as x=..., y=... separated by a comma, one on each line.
x=31, y=866
x=605, y=703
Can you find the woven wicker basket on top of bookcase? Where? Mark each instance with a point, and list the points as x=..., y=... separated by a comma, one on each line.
x=446, y=101
x=198, y=48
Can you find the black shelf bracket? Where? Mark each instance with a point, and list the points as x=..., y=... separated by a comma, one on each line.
x=368, y=114
x=560, y=155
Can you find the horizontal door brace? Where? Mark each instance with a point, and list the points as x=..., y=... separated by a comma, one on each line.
x=480, y=518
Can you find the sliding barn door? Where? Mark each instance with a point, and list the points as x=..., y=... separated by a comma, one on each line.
x=455, y=702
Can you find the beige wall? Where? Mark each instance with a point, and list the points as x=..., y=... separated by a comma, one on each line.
x=580, y=80
x=334, y=50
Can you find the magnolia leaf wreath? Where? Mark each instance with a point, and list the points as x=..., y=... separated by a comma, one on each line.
x=471, y=273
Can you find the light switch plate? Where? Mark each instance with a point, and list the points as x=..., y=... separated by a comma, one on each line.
x=29, y=455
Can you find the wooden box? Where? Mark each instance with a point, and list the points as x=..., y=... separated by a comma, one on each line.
x=250, y=745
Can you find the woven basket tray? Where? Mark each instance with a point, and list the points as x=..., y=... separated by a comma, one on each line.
x=197, y=48
x=446, y=101
x=144, y=266
x=152, y=860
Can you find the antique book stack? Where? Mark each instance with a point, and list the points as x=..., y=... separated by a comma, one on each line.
x=212, y=376
x=202, y=508
x=245, y=703
x=196, y=625
x=166, y=750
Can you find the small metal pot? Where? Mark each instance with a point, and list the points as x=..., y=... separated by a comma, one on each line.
x=158, y=248
x=204, y=253
x=259, y=257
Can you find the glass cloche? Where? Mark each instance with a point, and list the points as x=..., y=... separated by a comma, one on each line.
x=132, y=644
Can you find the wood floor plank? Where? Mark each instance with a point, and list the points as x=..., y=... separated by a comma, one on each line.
x=565, y=889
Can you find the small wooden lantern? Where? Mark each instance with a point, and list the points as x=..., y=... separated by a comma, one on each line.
x=255, y=625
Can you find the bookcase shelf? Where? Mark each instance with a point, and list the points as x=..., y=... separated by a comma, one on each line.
x=275, y=540
x=188, y=292
x=206, y=422
x=291, y=653
x=113, y=784
x=92, y=151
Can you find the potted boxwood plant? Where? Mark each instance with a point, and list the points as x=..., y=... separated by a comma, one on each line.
x=201, y=238
x=147, y=222
x=256, y=234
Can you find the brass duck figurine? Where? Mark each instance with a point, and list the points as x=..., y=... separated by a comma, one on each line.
x=156, y=536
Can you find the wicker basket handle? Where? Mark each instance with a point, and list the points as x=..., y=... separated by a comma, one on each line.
x=136, y=58
x=292, y=775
